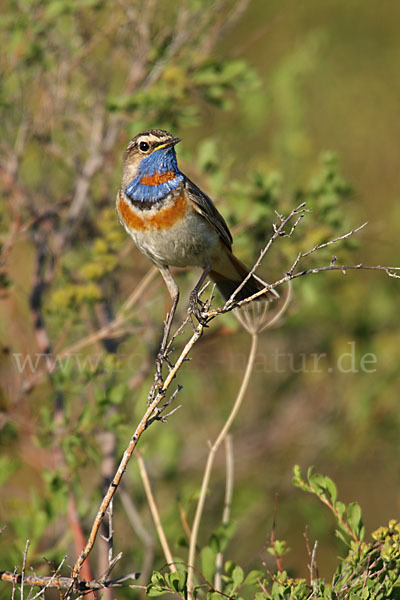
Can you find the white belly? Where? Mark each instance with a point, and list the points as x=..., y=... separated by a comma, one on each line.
x=188, y=243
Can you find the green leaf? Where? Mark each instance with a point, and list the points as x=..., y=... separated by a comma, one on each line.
x=173, y=580
x=341, y=509
x=157, y=578
x=317, y=483
x=354, y=519
x=229, y=567
x=157, y=585
x=153, y=591
x=278, y=549
x=298, y=480
x=253, y=576
x=331, y=488
x=182, y=581
x=237, y=577
x=343, y=536
x=208, y=563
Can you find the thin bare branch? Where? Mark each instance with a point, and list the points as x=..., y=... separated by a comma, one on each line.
x=279, y=231
x=52, y=580
x=63, y=582
x=317, y=247
x=313, y=564
x=390, y=271
x=24, y=568
x=156, y=396
x=226, y=514
x=155, y=514
x=210, y=461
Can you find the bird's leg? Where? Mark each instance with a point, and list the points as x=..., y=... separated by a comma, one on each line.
x=194, y=295
x=174, y=293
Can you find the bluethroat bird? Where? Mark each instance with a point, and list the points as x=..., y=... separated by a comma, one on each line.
x=174, y=223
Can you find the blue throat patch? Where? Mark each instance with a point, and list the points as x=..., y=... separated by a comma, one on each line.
x=159, y=162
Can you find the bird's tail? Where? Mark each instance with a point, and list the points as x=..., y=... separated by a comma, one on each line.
x=229, y=275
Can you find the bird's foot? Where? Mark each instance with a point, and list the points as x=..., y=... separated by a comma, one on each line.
x=196, y=306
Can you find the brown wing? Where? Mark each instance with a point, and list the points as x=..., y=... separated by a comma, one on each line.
x=205, y=207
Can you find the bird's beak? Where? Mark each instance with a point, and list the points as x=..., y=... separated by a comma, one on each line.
x=168, y=144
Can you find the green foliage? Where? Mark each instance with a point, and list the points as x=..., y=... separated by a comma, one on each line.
x=350, y=526
x=278, y=548
x=370, y=570
x=216, y=79
x=170, y=99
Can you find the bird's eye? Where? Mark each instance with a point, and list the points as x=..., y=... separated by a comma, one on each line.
x=143, y=146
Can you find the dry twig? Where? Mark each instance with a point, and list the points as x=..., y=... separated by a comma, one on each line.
x=210, y=461
x=226, y=514
x=155, y=514
x=156, y=396
x=64, y=583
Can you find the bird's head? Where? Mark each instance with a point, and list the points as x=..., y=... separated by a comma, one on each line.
x=149, y=154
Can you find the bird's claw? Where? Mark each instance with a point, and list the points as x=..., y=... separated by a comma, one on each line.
x=195, y=307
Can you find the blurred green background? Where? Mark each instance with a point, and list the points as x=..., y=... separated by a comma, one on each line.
x=291, y=102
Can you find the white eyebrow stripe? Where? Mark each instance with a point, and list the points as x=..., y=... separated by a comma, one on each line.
x=151, y=138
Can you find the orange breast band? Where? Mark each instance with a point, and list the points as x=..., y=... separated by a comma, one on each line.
x=162, y=219
x=157, y=178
